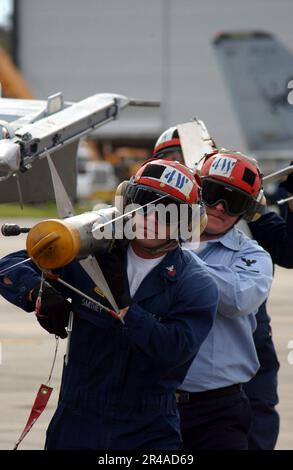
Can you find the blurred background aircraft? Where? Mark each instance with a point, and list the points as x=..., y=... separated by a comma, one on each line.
x=258, y=70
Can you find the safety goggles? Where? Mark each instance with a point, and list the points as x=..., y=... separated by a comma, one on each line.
x=235, y=201
x=166, y=208
x=172, y=155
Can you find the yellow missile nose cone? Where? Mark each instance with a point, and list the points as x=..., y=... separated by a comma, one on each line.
x=52, y=244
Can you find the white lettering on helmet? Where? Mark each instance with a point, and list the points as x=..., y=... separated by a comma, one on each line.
x=222, y=166
x=177, y=180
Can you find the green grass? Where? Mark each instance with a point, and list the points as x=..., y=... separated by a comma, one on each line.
x=45, y=210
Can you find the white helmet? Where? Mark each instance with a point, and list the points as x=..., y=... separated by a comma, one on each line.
x=169, y=144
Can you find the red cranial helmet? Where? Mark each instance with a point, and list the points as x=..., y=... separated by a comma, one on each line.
x=234, y=179
x=235, y=169
x=168, y=178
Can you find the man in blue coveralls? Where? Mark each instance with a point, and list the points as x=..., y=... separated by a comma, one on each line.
x=275, y=234
x=119, y=385
x=215, y=411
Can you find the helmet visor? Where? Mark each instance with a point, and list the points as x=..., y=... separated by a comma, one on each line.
x=236, y=202
x=173, y=154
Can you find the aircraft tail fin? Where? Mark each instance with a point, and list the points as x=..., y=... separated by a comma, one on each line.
x=258, y=70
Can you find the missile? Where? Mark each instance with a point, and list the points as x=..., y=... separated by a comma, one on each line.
x=9, y=158
x=53, y=243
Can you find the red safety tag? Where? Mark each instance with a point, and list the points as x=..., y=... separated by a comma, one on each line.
x=39, y=405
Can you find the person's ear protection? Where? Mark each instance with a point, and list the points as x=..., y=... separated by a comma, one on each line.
x=203, y=213
x=203, y=219
x=120, y=200
x=257, y=209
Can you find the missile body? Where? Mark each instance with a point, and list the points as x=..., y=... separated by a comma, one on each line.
x=53, y=243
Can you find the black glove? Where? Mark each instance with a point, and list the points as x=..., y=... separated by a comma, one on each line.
x=288, y=183
x=54, y=311
x=113, y=267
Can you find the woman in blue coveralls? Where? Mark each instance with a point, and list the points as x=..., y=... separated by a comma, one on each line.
x=119, y=385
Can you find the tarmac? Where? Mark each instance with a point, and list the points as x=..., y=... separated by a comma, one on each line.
x=27, y=355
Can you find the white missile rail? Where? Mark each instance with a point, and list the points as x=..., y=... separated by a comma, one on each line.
x=61, y=126
x=195, y=142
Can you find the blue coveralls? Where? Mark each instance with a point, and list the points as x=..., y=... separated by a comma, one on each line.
x=275, y=235
x=119, y=385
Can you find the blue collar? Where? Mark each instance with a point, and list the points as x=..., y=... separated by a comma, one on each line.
x=231, y=239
